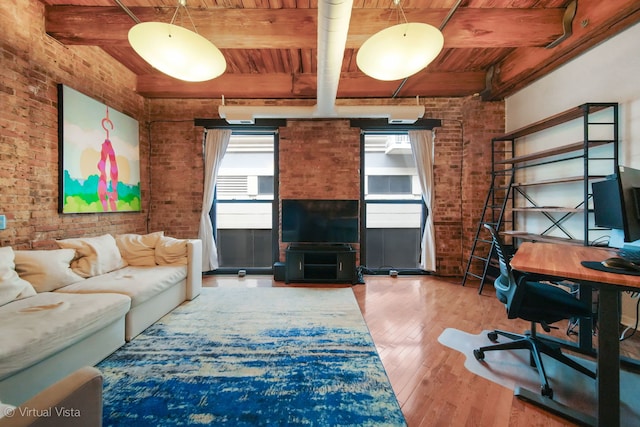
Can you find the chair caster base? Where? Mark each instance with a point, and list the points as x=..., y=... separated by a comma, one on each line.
x=478, y=354
x=546, y=391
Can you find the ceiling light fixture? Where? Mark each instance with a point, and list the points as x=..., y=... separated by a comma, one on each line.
x=176, y=51
x=401, y=50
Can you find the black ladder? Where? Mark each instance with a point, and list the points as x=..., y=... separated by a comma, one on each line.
x=492, y=214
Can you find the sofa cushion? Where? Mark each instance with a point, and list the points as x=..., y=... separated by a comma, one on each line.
x=138, y=249
x=171, y=251
x=46, y=270
x=37, y=327
x=139, y=283
x=94, y=255
x=12, y=287
x=6, y=410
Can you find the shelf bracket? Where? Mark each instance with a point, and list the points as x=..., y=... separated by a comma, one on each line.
x=488, y=83
x=567, y=24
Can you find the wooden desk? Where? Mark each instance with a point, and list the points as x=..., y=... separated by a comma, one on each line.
x=563, y=261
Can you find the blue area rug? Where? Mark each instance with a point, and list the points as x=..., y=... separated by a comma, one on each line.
x=257, y=356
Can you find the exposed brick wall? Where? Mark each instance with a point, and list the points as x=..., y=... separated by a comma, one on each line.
x=482, y=121
x=447, y=166
x=318, y=158
x=32, y=66
x=176, y=171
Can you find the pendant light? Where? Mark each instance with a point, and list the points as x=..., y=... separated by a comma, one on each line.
x=399, y=51
x=177, y=51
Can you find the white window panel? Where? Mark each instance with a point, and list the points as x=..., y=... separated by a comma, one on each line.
x=394, y=215
x=244, y=216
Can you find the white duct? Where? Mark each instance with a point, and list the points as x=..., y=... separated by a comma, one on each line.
x=333, y=26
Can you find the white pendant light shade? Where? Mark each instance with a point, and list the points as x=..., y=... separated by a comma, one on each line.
x=399, y=51
x=177, y=52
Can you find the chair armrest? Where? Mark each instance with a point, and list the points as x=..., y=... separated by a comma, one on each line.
x=74, y=401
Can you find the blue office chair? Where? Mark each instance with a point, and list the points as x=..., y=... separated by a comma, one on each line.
x=538, y=303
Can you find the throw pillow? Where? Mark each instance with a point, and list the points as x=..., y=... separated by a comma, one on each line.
x=171, y=251
x=139, y=249
x=12, y=287
x=94, y=255
x=47, y=270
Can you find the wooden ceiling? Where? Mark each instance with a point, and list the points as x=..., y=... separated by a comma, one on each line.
x=492, y=47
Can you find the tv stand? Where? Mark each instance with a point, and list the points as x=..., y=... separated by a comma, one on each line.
x=320, y=263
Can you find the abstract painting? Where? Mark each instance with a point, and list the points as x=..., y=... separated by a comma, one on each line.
x=99, y=156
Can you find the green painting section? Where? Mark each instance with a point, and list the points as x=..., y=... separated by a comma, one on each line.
x=80, y=197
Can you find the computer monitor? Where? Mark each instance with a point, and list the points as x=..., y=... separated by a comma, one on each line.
x=616, y=202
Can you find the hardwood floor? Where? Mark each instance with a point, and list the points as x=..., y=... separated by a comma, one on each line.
x=405, y=316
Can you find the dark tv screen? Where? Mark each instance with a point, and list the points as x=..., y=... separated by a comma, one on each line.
x=319, y=221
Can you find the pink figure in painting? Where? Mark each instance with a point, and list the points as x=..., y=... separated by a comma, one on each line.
x=108, y=198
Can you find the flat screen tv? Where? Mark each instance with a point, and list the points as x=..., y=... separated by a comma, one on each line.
x=320, y=221
x=616, y=202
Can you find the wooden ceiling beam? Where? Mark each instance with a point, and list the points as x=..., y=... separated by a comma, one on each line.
x=595, y=21
x=428, y=84
x=425, y=83
x=276, y=86
x=129, y=58
x=286, y=28
x=303, y=86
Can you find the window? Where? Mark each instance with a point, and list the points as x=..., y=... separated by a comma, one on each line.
x=393, y=203
x=244, y=203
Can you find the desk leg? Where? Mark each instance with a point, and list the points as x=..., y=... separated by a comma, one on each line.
x=585, y=326
x=608, y=381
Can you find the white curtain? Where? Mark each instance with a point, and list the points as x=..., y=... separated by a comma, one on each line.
x=422, y=148
x=215, y=145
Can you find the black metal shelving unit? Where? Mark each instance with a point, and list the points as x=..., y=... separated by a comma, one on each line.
x=515, y=197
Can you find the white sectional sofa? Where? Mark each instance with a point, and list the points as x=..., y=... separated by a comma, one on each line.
x=66, y=308
x=78, y=394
